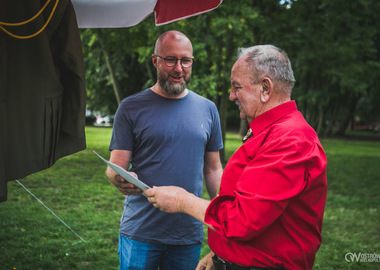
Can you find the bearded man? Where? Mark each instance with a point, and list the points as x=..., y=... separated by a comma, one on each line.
x=171, y=136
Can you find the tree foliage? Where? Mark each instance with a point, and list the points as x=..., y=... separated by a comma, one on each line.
x=336, y=59
x=333, y=47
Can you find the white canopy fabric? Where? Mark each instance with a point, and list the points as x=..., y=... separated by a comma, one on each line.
x=127, y=13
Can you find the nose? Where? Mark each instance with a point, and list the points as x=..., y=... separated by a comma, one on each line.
x=232, y=96
x=178, y=66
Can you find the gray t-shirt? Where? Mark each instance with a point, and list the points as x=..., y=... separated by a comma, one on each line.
x=168, y=139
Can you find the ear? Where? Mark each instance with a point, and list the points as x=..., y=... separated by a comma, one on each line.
x=154, y=60
x=266, y=89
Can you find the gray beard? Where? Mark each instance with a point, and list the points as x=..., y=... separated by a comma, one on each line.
x=172, y=89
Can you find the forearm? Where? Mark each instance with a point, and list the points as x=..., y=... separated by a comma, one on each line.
x=195, y=207
x=212, y=172
x=121, y=158
x=173, y=199
x=111, y=175
x=212, y=182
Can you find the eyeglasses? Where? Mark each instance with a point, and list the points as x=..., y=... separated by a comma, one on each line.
x=171, y=61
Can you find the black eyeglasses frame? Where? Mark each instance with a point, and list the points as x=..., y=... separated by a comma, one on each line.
x=166, y=59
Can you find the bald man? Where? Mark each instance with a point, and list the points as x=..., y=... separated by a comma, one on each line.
x=171, y=136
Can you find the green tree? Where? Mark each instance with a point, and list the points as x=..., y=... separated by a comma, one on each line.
x=215, y=37
x=113, y=62
x=333, y=46
x=334, y=50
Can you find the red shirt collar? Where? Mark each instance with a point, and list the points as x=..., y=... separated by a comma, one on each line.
x=269, y=117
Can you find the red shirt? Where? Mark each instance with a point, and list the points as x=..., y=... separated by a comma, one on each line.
x=272, y=196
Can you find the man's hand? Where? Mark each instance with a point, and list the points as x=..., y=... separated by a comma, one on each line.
x=172, y=199
x=168, y=198
x=125, y=187
x=206, y=262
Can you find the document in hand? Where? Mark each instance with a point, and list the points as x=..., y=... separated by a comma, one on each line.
x=123, y=173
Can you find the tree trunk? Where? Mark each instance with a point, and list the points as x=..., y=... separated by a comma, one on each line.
x=350, y=113
x=223, y=121
x=321, y=117
x=150, y=75
x=329, y=129
x=114, y=81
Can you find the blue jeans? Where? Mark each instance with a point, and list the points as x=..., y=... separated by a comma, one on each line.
x=135, y=255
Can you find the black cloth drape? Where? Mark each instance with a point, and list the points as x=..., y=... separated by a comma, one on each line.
x=42, y=89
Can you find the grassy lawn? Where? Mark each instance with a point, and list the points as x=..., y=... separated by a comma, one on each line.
x=77, y=190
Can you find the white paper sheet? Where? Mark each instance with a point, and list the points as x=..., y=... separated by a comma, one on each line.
x=138, y=183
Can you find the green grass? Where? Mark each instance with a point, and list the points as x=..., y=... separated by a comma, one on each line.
x=77, y=190
x=352, y=215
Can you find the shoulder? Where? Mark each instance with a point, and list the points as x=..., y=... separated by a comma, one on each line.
x=297, y=124
x=140, y=96
x=195, y=95
x=201, y=99
x=293, y=132
x=138, y=101
x=131, y=105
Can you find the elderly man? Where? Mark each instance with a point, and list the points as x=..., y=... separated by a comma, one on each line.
x=269, y=211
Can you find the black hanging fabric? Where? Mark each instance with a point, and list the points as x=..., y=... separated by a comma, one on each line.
x=42, y=87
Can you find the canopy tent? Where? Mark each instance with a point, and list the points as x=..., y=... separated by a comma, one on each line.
x=42, y=89
x=126, y=13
